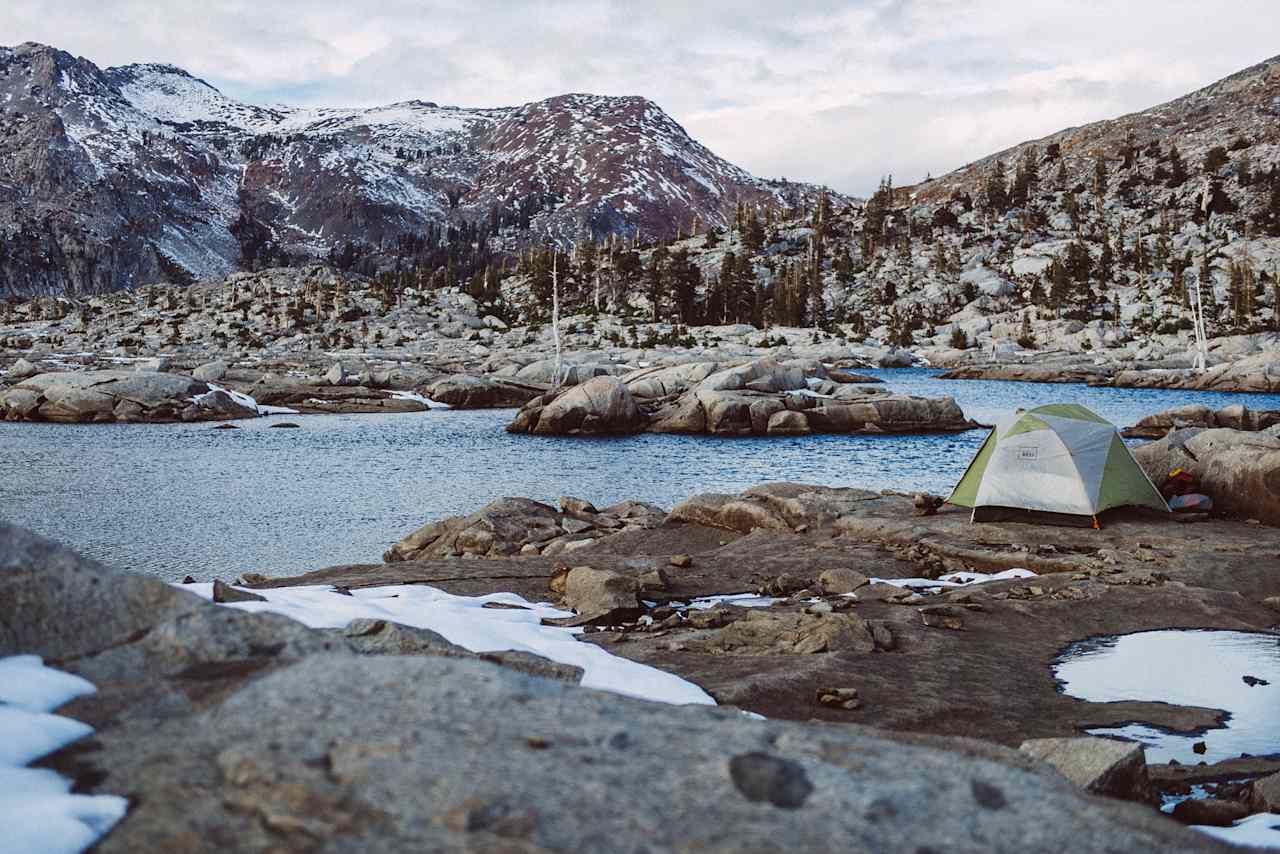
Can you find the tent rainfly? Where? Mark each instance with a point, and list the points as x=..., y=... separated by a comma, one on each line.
x=1059, y=463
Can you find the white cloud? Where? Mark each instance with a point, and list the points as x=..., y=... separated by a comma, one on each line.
x=834, y=92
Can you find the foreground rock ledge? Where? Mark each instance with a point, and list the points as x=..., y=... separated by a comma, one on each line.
x=233, y=743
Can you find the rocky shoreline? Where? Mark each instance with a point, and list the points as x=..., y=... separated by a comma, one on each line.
x=909, y=691
x=316, y=340
x=760, y=397
x=1258, y=373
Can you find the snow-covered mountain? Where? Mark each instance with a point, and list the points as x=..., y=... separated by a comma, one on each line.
x=121, y=176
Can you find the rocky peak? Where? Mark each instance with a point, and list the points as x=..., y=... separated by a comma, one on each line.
x=196, y=183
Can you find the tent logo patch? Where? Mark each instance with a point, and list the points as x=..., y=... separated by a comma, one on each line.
x=1027, y=452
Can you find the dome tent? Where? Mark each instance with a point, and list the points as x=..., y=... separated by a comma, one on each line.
x=1059, y=463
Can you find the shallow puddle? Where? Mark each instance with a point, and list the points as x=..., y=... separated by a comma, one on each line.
x=1238, y=672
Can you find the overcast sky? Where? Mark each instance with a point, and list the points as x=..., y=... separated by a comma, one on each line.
x=835, y=93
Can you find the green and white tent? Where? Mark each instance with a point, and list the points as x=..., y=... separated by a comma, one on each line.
x=1059, y=463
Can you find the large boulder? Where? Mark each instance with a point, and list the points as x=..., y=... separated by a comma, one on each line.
x=785, y=423
x=543, y=371
x=1238, y=469
x=772, y=506
x=395, y=753
x=210, y=372
x=1103, y=766
x=667, y=380
x=763, y=633
x=1264, y=794
x=57, y=604
x=600, y=406
x=727, y=413
x=683, y=415
x=592, y=592
x=879, y=413
x=761, y=375
x=22, y=369
x=501, y=527
x=466, y=391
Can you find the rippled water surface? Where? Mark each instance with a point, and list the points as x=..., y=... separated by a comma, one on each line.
x=1186, y=668
x=187, y=499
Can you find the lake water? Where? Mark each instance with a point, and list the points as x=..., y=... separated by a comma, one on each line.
x=1188, y=668
x=174, y=500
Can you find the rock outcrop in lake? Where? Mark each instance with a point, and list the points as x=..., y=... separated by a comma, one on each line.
x=119, y=396
x=1236, y=417
x=229, y=730
x=1256, y=373
x=758, y=398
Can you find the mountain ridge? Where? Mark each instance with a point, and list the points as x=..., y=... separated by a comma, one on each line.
x=144, y=172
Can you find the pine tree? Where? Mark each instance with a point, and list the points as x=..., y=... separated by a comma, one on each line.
x=753, y=235
x=685, y=279
x=1107, y=258
x=1072, y=207
x=1128, y=152
x=1059, y=284
x=1025, y=177
x=817, y=305
x=728, y=288
x=656, y=281
x=1269, y=218
x=1026, y=336
x=1177, y=169
x=1215, y=159
x=939, y=259
x=876, y=212
x=995, y=193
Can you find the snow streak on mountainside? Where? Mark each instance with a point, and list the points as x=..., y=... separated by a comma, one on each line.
x=117, y=177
